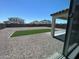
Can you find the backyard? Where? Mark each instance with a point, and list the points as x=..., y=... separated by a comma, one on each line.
x=36, y=46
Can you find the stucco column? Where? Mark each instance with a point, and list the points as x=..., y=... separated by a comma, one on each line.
x=53, y=25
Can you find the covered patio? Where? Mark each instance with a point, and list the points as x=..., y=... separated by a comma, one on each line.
x=59, y=33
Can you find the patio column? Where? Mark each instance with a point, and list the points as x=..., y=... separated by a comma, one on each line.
x=53, y=25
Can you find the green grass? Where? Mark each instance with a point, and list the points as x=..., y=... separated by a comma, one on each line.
x=29, y=32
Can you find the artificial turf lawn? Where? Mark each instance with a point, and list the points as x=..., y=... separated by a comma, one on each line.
x=29, y=32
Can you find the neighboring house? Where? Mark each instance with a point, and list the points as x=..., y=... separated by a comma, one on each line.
x=45, y=22
x=41, y=22
x=14, y=20
x=35, y=22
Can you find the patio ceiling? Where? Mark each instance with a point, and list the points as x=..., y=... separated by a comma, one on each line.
x=61, y=14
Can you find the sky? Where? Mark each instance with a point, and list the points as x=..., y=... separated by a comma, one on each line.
x=30, y=10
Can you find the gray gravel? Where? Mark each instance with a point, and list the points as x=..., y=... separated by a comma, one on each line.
x=38, y=46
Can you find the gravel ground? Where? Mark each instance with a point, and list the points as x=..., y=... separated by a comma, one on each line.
x=38, y=46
